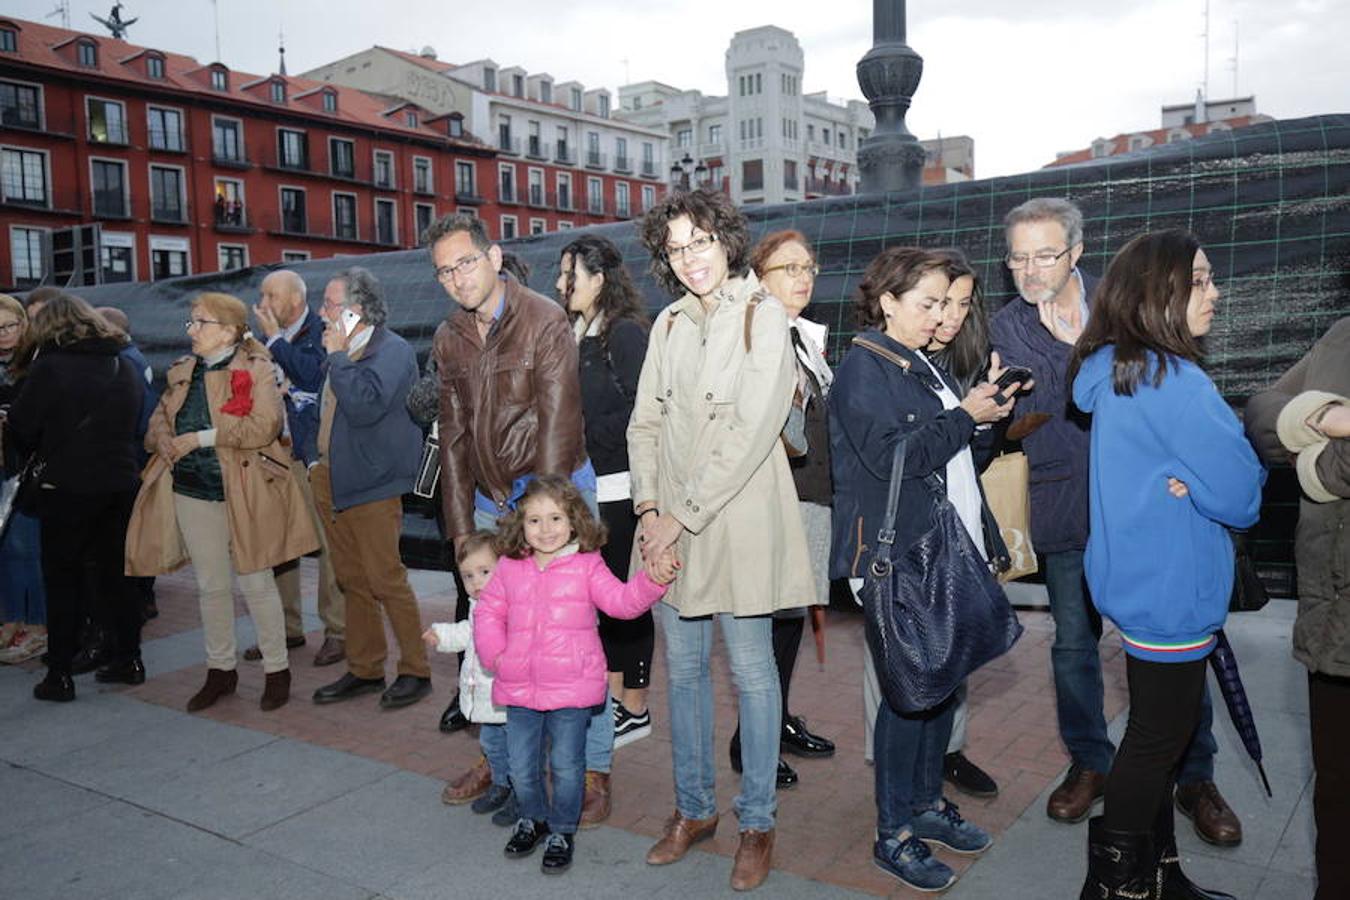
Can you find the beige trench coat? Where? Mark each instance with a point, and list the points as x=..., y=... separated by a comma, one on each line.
x=703, y=444
x=269, y=523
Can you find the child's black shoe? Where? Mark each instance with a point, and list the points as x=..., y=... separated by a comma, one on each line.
x=557, y=854
x=527, y=836
x=506, y=816
x=493, y=800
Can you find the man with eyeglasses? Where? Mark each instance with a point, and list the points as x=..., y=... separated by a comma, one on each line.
x=369, y=450
x=1045, y=241
x=510, y=412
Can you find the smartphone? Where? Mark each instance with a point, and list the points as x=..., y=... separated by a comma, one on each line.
x=1011, y=375
x=349, y=321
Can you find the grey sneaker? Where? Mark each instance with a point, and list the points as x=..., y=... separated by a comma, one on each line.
x=945, y=827
x=909, y=859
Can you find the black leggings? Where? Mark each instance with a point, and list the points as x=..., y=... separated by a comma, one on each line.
x=628, y=643
x=1164, y=711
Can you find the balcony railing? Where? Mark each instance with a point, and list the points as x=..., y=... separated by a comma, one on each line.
x=562, y=201
x=168, y=215
x=508, y=144
x=595, y=159
x=649, y=168
x=164, y=140
x=506, y=193
x=534, y=148
x=623, y=164
x=827, y=187
x=467, y=194
x=231, y=217
x=536, y=196
x=565, y=154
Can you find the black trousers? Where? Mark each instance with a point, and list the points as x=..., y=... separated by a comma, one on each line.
x=628, y=643
x=1329, y=717
x=80, y=530
x=1164, y=712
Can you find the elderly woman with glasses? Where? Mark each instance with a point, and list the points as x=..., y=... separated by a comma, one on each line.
x=711, y=483
x=218, y=492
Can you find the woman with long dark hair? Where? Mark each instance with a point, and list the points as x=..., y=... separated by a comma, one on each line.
x=611, y=330
x=1159, y=558
x=78, y=409
x=887, y=390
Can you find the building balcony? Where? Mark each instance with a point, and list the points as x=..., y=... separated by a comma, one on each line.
x=562, y=202
x=535, y=149
x=708, y=152
x=648, y=168
x=468, y=196
x=162, y=141
x=231, y=218
x=59, y=200
x=623, y=165
x=565, y=155
x=596, y=160
x=237, y=160
x=507, y=196
x=536, y=197
x=168, y=215
x=822, y=187
x=57, y=126
x=508, y=145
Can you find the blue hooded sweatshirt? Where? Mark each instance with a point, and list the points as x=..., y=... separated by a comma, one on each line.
x=1158, y=566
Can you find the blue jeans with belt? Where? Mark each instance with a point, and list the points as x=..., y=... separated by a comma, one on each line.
x=749, y=644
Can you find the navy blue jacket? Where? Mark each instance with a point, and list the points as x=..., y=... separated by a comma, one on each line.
x=302, y=360
x=132, y=356
x=1058, y=450
x=376, y=447
x=873, y=403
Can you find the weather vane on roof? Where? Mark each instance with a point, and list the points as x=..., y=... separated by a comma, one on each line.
x=116, y=26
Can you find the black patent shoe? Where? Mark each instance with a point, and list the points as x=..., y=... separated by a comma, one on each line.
x=55, y=687
x=87, y=659
x=526, y=837
x=131, y=671
x=452, y=719
x=797, y=740
x=557, y=854
x=346, y=687
x=786, y=776
x=967, y=777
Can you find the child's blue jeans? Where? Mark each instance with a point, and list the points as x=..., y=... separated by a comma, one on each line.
x=492, y=738
x=565, y=730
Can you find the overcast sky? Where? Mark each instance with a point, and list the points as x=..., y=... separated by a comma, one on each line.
x=1025, y=80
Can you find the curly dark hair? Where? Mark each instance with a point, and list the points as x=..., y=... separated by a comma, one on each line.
x=1140, y=307
x=618, y=299
x=587, y=531
x=894, y=271
x=710, y=210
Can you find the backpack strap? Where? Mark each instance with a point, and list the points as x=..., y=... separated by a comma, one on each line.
x=750, y=305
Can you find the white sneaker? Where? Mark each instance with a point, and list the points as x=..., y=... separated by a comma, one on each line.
x=628, y=727
x=27, y=645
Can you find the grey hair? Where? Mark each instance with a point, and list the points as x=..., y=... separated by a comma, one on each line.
x=453, y=224
x=1049, y=209
x=359, y=285
x=293, y=281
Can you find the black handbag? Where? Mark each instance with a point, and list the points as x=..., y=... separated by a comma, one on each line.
x=1249, y=594
x=933, y=611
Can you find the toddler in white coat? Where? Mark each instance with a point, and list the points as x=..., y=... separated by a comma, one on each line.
x=488, y=784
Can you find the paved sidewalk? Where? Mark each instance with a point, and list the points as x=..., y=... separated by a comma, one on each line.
x=123, y=795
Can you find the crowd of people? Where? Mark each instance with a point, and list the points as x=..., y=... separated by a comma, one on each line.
x=708, y=470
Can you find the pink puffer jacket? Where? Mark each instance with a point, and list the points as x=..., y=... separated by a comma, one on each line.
x=537, y=631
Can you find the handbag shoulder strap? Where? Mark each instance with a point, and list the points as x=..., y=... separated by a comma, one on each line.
x=886, y=536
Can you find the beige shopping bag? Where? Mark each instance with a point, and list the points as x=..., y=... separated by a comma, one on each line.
x=1006, y=486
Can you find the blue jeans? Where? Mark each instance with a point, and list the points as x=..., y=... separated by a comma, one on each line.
x=21, y=586
x=492, y=738
x=565, y=730
x=749, y=643
x=600, y=732
x=1078, y=677
x=907, y=756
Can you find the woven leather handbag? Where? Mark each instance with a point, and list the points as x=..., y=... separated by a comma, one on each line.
x=934, y=612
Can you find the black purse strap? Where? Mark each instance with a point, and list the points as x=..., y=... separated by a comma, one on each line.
x=886, y=536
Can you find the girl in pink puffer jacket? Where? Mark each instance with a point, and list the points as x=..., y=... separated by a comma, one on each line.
x=536, y=630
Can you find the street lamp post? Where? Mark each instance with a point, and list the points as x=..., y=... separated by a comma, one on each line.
x=890, y=159
x=686, y=175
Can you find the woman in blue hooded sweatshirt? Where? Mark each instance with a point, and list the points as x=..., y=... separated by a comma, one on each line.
x=1170, y=471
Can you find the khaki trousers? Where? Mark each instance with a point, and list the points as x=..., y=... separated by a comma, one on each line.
x=332, y=609
x=206, y=535
x=363, y=543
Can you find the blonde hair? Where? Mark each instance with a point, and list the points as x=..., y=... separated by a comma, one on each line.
x=231, y=312
x=11, y=304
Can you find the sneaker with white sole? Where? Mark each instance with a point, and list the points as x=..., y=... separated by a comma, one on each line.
x=25, y=646
x=629, y=727
x=945, y=827
x=909, y=859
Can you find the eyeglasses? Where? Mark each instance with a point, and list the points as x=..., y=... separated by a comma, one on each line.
x=1043, y=260
x=198, y=323
x=445, y=273
x=795, y=270
x=1202, y=282
x=10, y=326
x=698, y=246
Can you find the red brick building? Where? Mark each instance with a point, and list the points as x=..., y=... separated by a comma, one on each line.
x=172, y=167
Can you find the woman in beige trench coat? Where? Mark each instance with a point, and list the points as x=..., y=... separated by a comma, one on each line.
x=218, y=492
x=711, y=483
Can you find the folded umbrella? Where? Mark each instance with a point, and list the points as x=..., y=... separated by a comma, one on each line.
x=1225, y=668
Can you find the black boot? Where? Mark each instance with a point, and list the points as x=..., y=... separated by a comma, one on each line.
x=1121, y=864
x=1175, y=884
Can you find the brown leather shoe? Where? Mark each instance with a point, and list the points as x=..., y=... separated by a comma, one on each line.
x=219, y=683
x=469, y=786
x=753, y=858
x=276, y=690
x=334, y=649
x=681, y=834
x=596, y=804
x=1073, y=799
x=1213, y=818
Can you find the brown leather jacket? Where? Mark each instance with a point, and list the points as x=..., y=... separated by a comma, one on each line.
x=510, y=405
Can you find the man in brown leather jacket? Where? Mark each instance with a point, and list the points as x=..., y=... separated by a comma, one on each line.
x=510, y=410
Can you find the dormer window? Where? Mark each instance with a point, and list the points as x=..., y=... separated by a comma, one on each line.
x=154, y=66
x=490, y=80
x=456, y=126
x=278, y=92
x=9, y=40
x=86, y=53
x=329, y=102
x=220, y=80
x=410, y=118
x=576, y=99
x=545, y=92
